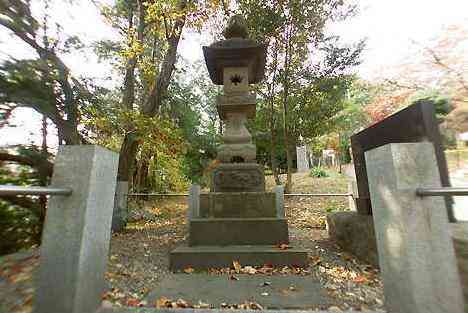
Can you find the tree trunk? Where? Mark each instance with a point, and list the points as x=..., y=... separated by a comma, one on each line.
x=156, y=95
x=274, y=162
x=141, y=179
x=128, y=153
x=271, y=99
x=43, y=177
x=129, y=148
x=158, y=89
x=128, y=98
x=288, y=186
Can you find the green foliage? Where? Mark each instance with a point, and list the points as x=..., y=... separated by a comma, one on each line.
x=318, y=172
x=19, y=228
x=162, y=143
x=307, y=73
x=443, y=106
x=21, y=218
x=194, y=116
x=442, y=103
x=351, y=118
x=331, y=209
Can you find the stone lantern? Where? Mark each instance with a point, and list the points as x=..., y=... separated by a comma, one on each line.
x=237, y=220
x=235, y=63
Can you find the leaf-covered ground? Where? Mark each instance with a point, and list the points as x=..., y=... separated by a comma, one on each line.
x=138, y=257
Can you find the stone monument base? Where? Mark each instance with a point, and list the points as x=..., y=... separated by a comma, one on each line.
x=238, y=177
x=248, y=227
x=238, y=231
x=237, y=204
x=354, y=233
x=206, y=257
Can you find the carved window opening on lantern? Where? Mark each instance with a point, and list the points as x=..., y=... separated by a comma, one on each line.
x=236, y=79
x=237, y=159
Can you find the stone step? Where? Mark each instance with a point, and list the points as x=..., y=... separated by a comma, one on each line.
x=204, y=257
x=237, y=231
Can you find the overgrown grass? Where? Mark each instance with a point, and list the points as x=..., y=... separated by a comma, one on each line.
x=318, y=172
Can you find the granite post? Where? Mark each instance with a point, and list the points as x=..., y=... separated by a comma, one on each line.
x=279, y=197
x=75, y=241
x=194, y=202
x=302, y=159
x=353, y=194
x=416, y=253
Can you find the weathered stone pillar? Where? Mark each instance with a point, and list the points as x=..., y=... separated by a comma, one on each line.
x=302, y=159
x=353, y=191
x=75, y=242
x=194, y=202
x=279, y=197
x=416, y=252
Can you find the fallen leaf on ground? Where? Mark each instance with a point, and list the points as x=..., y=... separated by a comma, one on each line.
x=315, y=260
x=361, y=279
x=162, y=302
x=182, y=304
x=237, y=266
x=255, y=306
x=249, y=270
x=202, y=305
x=133, y=302
x=334, y=309
x=265, y=283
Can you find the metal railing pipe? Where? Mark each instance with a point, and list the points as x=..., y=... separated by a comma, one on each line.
x=7, y=190
x=317, y=194
x=442, y=191
x=157, y=194
x=286, y=194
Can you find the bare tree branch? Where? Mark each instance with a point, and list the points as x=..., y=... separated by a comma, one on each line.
x=38, y=163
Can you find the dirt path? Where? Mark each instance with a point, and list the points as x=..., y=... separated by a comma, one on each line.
x=138, y=257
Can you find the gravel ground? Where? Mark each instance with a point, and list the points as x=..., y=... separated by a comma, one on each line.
x=138, y=257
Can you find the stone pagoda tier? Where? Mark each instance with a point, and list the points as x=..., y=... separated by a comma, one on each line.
x=237, y=220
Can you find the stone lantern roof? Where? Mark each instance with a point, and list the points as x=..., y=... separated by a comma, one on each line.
x=235, y=51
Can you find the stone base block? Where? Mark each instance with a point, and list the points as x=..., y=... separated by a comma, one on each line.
x=238, y=177
x=238, y=204
x=238, y=231
x=204, y=257
x=354, y=233
x=229, y=152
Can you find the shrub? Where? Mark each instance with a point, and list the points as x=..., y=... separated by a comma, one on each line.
x=318, y=172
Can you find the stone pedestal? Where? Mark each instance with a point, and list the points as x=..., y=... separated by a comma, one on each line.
x=238, y=177
x=237, y=204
